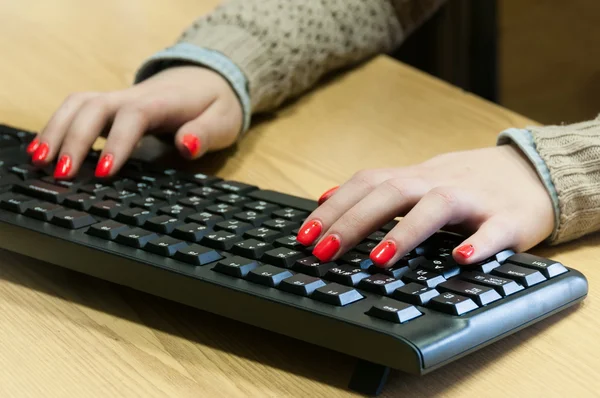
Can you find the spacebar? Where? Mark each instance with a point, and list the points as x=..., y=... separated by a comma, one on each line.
x=283, y=199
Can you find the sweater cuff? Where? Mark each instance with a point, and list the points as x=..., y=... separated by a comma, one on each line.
x=524, y=140
x=189, y=53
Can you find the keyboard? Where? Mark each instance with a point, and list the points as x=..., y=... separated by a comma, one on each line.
x=229, y=247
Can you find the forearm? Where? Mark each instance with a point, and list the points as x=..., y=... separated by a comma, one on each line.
x=570, y=170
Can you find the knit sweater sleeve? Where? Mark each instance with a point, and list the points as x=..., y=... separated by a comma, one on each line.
x=283, y=47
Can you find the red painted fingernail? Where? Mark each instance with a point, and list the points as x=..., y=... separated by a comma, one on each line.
x=383, y=252
x=309, y=233
x=466, y=251
x=327, y=194
x=327, y=248
x=104, y=165
x=192, y=144
x=63, y=167
x=33, y=145
x=41, y=153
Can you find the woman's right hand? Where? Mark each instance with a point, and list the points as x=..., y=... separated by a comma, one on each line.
x=196, y=103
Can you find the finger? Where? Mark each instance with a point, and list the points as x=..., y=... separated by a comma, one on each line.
x=49, y=140
x=493, y=236
x=346, y=196
x=437, y=208
x=216, y=128
x=94, y=115
x=327, y=194
x=391, y=198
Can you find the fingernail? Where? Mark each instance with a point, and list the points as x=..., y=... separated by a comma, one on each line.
x=192, y=144
x=309, y=233
x=41, y=153
x=33, y=145
x=104, y=166
x=327, y=248
x=465, y=251
x=327, y=194
x=383, y=252
x=63, y=167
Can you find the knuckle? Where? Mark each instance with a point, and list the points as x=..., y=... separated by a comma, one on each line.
x=396, y=187
x=365, y=177
x=446, y=195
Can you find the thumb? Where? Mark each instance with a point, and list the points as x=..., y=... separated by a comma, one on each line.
x=493, y=236
x=216, y=128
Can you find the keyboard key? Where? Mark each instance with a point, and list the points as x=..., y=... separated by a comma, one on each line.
x=80, y=201
x=302, y=285
x=133, y=216
x=452, y=304
x=162, y=224
x=394, y=311
x=268, y=275
x=73, y=219
x=312, y=266
x=233, y=199
x=503, y=255
x=16, y=203
x=221, y=240
x=427, y=278
x=26, y=171
x=481, y=295
x=106, y=208
x=261, y=207
x=376, y=236
x=205, y=192
x=366, y=247
x=446, y=267
x=97, y=189
x=168, y=195
x=192, y=232
x=357, y=260
x=197, y=255
x=8, y=141
x=389, y=226
x=178, y=185
x=396, y=271
x=165, y=246
x=251, y=217
x=380, y=284
x=122, y=196
x=282, y=257
x=290, y=214
x=149, y=203
x=236, y=266
x=415, y=293
x=289, y=242
x=43, y=211
x=279, y=224
x=251, y=248
x=7, y=181
x=234, y=187
x=346, y=274
x=224, y=210
x=195, y=202
x=136, y=237
x=176, y=211
x=336, y=294
x=201, y=179
x=204, y=218
x=43, y=190
x=234, y=226
x=524, y=276
x=486, y=266
x=548, y=268
x=502, y=285
x=264, y=234
x=108, y=229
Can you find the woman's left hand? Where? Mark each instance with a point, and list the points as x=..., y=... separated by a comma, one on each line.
x=495, y=193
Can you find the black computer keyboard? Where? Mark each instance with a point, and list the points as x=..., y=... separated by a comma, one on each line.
x=229, y=248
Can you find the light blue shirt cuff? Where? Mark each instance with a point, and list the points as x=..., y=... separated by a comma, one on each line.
x=207, y=58
x=524, y=140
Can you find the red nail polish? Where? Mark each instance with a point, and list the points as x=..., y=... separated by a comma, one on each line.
x=383, y=252
x=192, y=144
x=41, y=153
x=327, y=248
x=104, y=166
x=33, y=145
x=466, y=251
x=327, y=194
x=63, y=167
x=309, y=233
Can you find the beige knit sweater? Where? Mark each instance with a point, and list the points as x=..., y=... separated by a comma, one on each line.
x=283, y=47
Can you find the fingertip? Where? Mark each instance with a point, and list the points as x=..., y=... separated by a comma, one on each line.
x=104, y=166
x=40, y=155
x=190, y=145
x=383, y=253
x=63, y=167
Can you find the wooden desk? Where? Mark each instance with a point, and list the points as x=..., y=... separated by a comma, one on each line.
x=65, y=334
